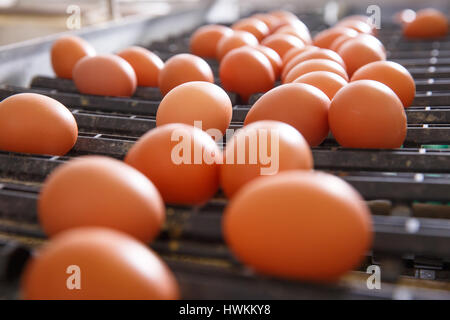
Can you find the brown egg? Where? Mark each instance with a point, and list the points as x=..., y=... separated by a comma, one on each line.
x=359, y=26
x=315, y=65
x=328, y=82
x=105, y=75
x=34, y=123
x=97, y=264
x=301, y=33
x=392, y=74
x=66, y=52
x=262, y=149
x=325, y=38
x=312, y=54
x=283, y=15
x=298, y=225
x=182, y=162
x=301, y=105
x=367, y=114
x=183, y=68
x=246, y=71
x=145, y=63
x=255, y=26
x=339, y=41
x=205, y=39
x=428, y=23
x=271, y=21
x=282, y=43
x=238, y=39
x=196, y=101
x=273, y=57
x=292, y=53
x=103, y=192
x=357, y=53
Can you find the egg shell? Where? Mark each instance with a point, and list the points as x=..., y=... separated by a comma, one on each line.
x=367, y=114
x=246, y=71
x=301, y=105
x=298, y=225
x=105, y=75
x=312, y=54
x=328, y=82
x=301, y=33
x=183, y=68
x=315, y=65
x=110, y=265
x=238, y=39
x=428, y=23
x=205, y=39
x=271, y=21
x=357, y=53
x=357, y=25
x=282, y=43
x=66, y=52
x=145, y=63
x=325, y=38
x=196, y=101
x=256, y=27
x=284, y=146
x=180, y=181
x=34, y=123
x=100, y=191
x=392, y=74
x=274, y=58
x=292, y=53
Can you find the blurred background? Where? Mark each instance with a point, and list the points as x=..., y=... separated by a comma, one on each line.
x=26, y=19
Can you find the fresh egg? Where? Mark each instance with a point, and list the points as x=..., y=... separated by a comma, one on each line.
x=34, y=123
x=359, y=26
x=238, y=39
x=282, y=43
x=196, y=101
x=328, y=82
x=362, y=18
x=66, y=52
x=262, y=149
x=301, y=33
x=315, y=65
x=205, y=39
x=312, y=54
x=246, y=71
x=255, y=26
x=273, y=57
x=392, y=74
x=428, y=23
x=358, y=52
x=298, y=225
x=271, y=21
x=183, y=68
x=182, y=161
x=283, y=15
x=292, y=53
x=105, y=75
x=367, y=114
x=301, y=105
x=103, y=192
x=145, y=63
x=94, y=263
x=339, y=41
x=325, y=38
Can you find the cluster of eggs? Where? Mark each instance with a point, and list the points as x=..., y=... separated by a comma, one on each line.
x=296, y=223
